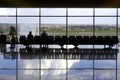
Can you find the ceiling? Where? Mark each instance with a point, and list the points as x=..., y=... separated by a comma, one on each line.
x=60, y=3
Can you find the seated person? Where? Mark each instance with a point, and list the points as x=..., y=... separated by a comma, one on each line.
x=44, y=34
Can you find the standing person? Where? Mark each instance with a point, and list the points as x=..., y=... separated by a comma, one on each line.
x=29, y=38
x=44, y=37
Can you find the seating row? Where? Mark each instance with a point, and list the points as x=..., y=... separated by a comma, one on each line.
x=62, y=40
x=72, y=40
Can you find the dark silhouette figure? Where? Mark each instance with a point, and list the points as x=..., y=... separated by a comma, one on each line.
x=29, y=38
x=44, y=37
x=44, y=34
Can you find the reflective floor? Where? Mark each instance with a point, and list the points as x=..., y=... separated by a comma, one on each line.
x=87, y=62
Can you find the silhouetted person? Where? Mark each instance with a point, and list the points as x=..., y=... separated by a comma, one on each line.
x=29, y=38
x=44, y=36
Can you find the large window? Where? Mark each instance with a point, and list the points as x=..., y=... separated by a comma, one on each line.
x=60, y=22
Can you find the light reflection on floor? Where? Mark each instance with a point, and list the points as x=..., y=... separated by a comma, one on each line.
x=15, y=66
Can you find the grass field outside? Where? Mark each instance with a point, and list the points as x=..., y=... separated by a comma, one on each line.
x=84, y=33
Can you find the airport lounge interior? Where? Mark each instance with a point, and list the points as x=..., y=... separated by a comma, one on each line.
x=59, y=40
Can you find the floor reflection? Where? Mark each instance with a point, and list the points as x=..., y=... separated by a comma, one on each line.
x=97, y=54
x=7, y=74
x=19, y=63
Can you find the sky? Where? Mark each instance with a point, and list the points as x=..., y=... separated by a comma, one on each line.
x=72, y=12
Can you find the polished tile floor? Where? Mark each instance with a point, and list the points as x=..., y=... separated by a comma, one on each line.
x=86, y=63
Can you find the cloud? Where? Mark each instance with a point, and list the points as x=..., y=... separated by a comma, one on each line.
x=29, y=64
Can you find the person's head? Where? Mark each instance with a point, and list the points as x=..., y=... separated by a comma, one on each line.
x=30, y=32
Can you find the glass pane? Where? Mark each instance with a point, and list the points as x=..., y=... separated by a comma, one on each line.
x=80, y=25
x=54, y=25
x=7, y=74
x=80, y=12
x=53, y=74
x=28, y=11
x=105, y=26
x=28, y=75
x=80, y=64
x=53, y=11
x=26, y=24
x=105, y=11
x=105, y=75
x=8, y=26
x=54, y=63
x=8, y=11
x=84, y=74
